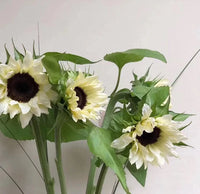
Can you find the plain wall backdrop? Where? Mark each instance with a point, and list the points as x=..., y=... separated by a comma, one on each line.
x=92, y=28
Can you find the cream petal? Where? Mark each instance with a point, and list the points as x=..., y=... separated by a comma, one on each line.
x=146, y=111
x=2, y=82
x=13, y=102
x=11, y=61
x=27, y=62
x=139, y=163
x=133, y=156
x=122, y=141
x=43, y=99
x=25, y=108
x=3, y=107
x=25, y=119
x=14, y=110
x=128, y=129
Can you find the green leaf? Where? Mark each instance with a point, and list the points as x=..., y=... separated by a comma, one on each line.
x=180, y=116
x=12, y=128
x=139, y=174
x=69, y=57
x=140, y=91
x=53, y=69
x=71, y=130
x=157, y=95
x=99, y=141
x=132, y=55
x=124, y=93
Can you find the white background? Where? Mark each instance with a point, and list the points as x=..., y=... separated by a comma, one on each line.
x=92, y=28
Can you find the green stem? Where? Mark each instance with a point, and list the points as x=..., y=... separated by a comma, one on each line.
x=40, y=143
x=185, y=68
x=101, y=178
x=90, y=183
x=117, y=84
x=59, y=122
x=12, y=179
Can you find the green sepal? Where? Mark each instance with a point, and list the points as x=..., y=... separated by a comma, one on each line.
x=180, y=116
x=182, y=144
x=18, y=55
x=180, y=129
x=140, y=174
x=132, y=55
x=34, y=53
x=7, y=54
x=99, y=141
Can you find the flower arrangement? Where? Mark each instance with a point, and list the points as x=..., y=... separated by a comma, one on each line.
x=42, y=100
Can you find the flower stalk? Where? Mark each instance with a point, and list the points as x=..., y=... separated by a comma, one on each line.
x=90, y=183
x=41, y=149
x=59, y=122
x=101, y=179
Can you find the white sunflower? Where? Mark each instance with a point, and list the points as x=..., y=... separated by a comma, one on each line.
x=152, y=139
x=85, y=96
x=24, y=89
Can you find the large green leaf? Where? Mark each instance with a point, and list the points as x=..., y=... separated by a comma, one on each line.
x=69, y=57
x=132, y=55
x=140, y=91
x=139, y=174
x=12, y=128
x=99, y=142
x=157, y=95
x=71, y=130
x=53, y=69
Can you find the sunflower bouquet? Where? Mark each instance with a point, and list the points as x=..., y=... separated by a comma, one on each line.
x=42, y=100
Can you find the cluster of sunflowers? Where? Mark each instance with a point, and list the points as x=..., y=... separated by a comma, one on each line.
x=42, y=100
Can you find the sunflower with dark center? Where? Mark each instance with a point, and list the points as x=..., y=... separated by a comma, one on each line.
x=152, y=139
x=85, y=97
x=25, y=89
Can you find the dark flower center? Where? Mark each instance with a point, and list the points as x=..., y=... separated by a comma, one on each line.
x=149, y=138
x=22, y=87
x=82, y=97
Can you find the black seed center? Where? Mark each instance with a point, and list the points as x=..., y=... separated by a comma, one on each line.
x=149, y=138
x=22, y=87
x=82, y=97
